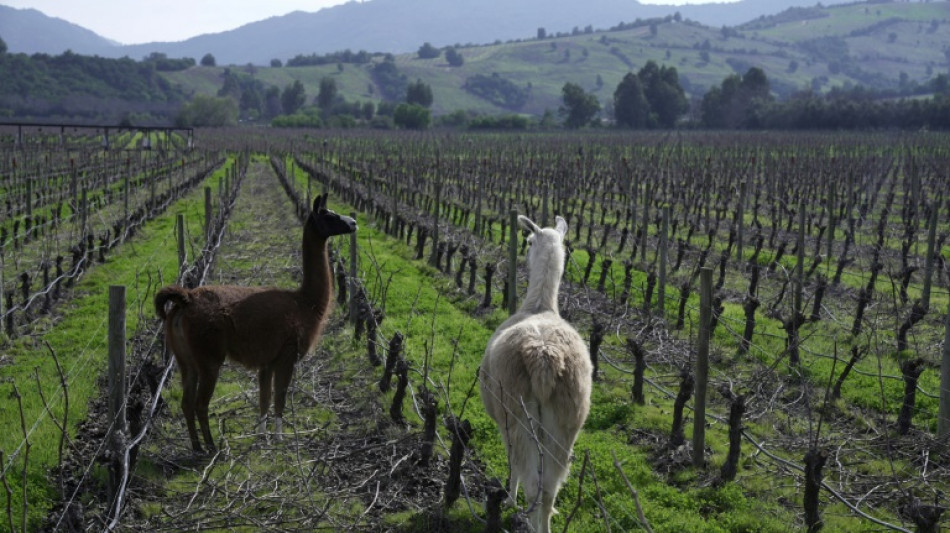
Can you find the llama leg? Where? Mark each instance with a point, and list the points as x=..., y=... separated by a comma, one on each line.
x=545, y=510
x=207, y=379
x=189, y=384
x=265, y=378
x=283, y=373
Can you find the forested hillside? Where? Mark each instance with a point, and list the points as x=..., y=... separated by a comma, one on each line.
x=856, y=53
x=88, y=88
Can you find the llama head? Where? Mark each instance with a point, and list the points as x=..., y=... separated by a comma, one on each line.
x=545, y=246
x=325, y=223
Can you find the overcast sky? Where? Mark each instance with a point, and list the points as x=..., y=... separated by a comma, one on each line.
x=138, y=21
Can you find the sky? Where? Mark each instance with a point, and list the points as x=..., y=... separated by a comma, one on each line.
x=138, y=21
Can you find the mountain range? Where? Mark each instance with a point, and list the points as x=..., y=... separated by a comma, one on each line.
x=394, y=26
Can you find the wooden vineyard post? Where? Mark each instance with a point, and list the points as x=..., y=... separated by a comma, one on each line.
x=943, y=419
x=354, y=304
x=702, y=366
x=544, y=204
x=117, y=386
x=29, y=197
x=434, y=256
x=83, y=210
x=832, y=220
x=208, y=212
x=929, y=268
x=740, y=215
x=125, y=191
x=646, y=223
x=664, y=238
x=180, y=229
x=799, y=275
x=513, y=263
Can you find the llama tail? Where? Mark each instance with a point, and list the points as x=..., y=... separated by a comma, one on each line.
x=173, y=294
x=545, y=363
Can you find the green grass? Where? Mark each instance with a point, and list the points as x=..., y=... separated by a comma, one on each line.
x=428, y=310
x=78, y=335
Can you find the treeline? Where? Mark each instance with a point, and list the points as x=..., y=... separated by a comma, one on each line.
x=813, y=111
x=745, y=102
x=345, y=56
x=72, y=85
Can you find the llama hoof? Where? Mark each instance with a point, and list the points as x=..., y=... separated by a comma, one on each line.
x=278, y=429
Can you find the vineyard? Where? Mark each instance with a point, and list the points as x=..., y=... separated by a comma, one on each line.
x=814, y=265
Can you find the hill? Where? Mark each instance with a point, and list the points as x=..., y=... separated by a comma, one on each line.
x=30, y=31
x=396, y=26
x=873, y=45
x=884, y=46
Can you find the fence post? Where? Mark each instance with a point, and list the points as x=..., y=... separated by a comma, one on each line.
x=208, y=212
x=702, y=366
x=83, y=210
x=943, y=419
x=646, y=222
x=117, y=385
x=353, y=307
x=799, y=275
x=29, y=196
x=125, y=193
x=664, y=242
x=740, y=223
x=929, y=268
x=180, y=227
x=513, y=262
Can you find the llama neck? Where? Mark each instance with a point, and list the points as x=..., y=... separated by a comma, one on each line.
x=543, y=285
x=317, y=284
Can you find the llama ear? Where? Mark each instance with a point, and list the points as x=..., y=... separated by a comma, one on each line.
x=561, y=226
x=527, y=225
x=320, y=202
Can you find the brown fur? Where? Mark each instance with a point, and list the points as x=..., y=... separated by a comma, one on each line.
x=263, y=328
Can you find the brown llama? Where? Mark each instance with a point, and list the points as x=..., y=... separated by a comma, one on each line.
x=263, y=328
x=536, y=365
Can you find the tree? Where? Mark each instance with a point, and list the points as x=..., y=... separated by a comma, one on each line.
x=207, y=111
x=327, y=95
x=293, y=97
x=419, y=93
x=579, y=107
x=208, y=60
x=662, y=89
x=631, y=108
x=411, y=116
x=3, y=47
x=542, y=33
x=276, y=63
x=272, y=104
x=453, y=56
x=738, y=101
x=427, y=51
x=367, y=110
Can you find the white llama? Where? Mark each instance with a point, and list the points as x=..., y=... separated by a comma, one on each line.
x=537, y=358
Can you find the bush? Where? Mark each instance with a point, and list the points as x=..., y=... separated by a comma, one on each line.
x=500, y=122
x=497, y=90
x=207, y=111
x=307, y=117
x=427, y=51
x=411, y=116
x=453, y=57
